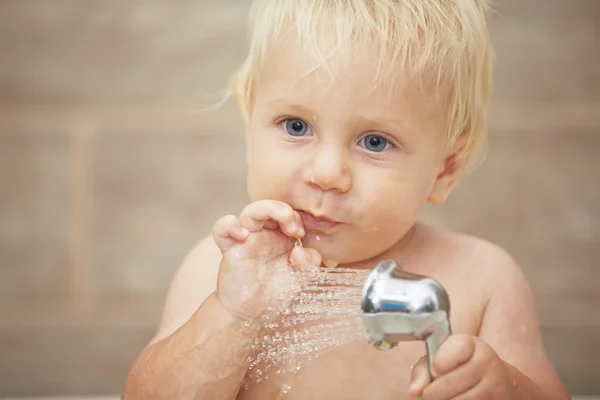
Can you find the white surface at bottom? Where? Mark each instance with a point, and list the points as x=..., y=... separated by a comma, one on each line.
x=117, y=397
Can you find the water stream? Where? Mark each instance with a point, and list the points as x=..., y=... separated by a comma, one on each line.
x=324, y=313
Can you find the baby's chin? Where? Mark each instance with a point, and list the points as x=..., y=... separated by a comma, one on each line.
x=332, y=249
x=349, y=249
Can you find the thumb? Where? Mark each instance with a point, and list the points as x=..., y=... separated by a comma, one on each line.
x=303, y=258
x=419, y=378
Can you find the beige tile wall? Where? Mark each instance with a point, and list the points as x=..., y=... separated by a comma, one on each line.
x=109, y=174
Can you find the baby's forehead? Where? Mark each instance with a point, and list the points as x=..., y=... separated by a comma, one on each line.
x=293, y=62
x=301, y=76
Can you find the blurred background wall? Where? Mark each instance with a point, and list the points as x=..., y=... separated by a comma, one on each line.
x=109, y=174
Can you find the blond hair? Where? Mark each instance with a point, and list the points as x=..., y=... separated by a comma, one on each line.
x=442, y=39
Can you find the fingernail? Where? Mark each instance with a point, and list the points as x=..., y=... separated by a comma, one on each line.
x=411, y=385
x=314, y=260
x=414, y=385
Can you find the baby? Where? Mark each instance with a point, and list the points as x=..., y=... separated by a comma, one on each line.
x=357, y=112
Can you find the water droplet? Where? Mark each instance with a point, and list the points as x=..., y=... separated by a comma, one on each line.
x=247, y=323
x=317, y=237
x=285, y=389
x=323, y=314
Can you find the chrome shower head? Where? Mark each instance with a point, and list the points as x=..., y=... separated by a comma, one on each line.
x=401, y=306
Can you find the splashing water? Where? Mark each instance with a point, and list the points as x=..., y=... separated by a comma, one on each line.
x=285, y=389
x=324, y=314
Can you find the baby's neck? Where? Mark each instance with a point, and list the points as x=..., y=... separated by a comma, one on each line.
x=403, y=251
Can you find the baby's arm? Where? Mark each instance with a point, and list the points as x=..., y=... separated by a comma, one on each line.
x=511, y=327
x=199, y=347
x=216, y=302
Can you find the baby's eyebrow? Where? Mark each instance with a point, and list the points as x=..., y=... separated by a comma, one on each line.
x=384, y=123
x=299, y=109
x=373, y=122
x=285, y=103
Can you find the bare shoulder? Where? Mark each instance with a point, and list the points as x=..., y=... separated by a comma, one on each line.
x=509, y=321
x=193, y=282
x=475, y=268
x=484, y=261
x=496, y=269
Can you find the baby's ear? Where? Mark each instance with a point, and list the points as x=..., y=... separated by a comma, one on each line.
x=451, y=170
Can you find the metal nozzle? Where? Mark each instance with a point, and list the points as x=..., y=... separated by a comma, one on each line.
x=400, y=306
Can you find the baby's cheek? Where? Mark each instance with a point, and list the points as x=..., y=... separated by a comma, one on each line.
x=383, y=224
x=268, y=183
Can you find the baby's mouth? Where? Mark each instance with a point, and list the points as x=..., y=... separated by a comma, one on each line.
x=320, y=223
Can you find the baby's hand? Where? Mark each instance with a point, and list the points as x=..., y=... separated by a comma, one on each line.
x=467, y=368
x=259, y=258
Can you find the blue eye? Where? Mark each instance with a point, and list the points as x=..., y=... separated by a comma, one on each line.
x=374, y=143
x=296, y=127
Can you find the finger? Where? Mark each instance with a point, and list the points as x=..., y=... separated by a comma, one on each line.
x=256, y=215
x=303, y=259
x=300, y=259
x=454, y=351
x=228, y=231
x=315, y=257
x=460, y=366
x=458, y=384
x=299, y=222
x=419, y=378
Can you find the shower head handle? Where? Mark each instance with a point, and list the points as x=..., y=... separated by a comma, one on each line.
x=399, y=306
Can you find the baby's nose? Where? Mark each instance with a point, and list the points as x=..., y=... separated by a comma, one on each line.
x=329, y=171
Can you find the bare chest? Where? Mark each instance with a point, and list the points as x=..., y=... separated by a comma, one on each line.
x=352, y=371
